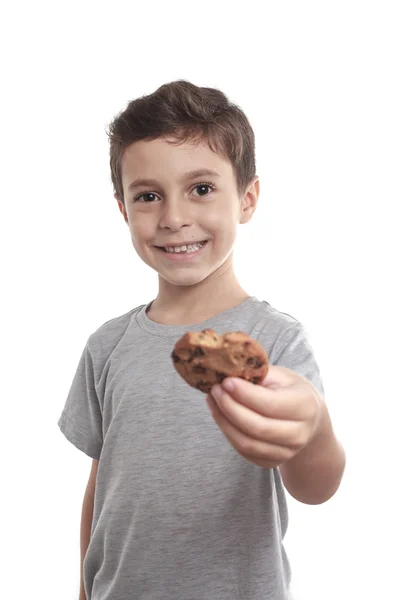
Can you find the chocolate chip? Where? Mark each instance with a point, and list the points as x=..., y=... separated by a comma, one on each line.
x=175, y=357
x=200, y=385
x=255, y=380
x=198, y=352
x=220, y=377
x=257, y=363
x=199, y=369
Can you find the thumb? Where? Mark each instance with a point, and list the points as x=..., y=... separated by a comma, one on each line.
x=278, y=377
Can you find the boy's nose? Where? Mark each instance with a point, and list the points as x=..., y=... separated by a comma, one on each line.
x=174, y=216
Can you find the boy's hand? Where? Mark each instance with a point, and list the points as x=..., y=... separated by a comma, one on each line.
x=268, y=424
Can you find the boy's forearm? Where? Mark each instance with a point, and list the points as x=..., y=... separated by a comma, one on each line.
x=86, y=526
x=314, y=475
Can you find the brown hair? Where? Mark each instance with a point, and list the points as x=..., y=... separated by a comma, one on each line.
x=185, y=112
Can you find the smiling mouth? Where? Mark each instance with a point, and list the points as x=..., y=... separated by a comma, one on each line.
x=184, y=249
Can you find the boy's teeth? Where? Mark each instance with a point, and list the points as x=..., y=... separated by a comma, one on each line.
x=187, y=249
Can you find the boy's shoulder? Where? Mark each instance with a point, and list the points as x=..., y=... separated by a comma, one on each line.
x=269, y=313
x=267, y=319
x=276, y=330
x=107, y=335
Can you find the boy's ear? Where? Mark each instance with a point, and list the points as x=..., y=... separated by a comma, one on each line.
x=249, y=201
x=122, y=208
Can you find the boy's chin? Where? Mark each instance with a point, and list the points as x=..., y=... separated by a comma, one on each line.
x=185, y=279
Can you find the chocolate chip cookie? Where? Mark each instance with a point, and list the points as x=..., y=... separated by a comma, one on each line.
x=205, y=358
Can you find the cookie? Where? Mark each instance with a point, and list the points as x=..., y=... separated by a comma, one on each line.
x=205, y=358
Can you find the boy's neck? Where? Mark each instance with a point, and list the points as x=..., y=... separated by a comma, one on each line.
x=196, y=303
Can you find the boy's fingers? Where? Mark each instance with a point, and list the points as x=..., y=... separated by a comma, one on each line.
x=243, y=443
x=280, y=377
x=257, y=426
x=282, y=403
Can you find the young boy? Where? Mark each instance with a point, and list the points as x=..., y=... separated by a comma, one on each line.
x=186, y=496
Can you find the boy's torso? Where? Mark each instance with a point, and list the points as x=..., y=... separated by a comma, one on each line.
x=178, y=514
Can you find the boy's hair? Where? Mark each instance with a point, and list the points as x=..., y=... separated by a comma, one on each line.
x=185, y=112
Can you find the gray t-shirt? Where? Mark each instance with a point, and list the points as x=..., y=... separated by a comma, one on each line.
x=178, y=513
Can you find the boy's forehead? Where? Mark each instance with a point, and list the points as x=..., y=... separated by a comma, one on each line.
x=162, y=158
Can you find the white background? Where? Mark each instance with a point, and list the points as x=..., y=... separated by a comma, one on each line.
x=319, y=82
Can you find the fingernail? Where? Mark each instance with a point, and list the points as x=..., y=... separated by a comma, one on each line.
x=228, y=385
x=216, y=392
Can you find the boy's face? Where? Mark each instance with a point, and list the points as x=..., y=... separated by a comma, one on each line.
x=171, y=201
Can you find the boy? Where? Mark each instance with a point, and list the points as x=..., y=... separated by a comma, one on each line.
x=186, y=497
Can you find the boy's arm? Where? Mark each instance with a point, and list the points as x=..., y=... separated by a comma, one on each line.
x=315, y=473
x=86, y=521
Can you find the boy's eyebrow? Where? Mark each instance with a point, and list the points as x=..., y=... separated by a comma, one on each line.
x=185, y=177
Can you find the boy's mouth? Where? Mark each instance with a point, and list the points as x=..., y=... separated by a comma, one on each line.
x=184, y=249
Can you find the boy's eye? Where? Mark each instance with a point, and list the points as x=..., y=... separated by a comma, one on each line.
x=147, y=197
x=204, y=188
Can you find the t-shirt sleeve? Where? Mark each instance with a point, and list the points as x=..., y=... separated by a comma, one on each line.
x=81, y=419
x=293, y=350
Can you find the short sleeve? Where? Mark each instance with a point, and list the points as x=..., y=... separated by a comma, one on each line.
x=293, y=351
x=81, y=419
